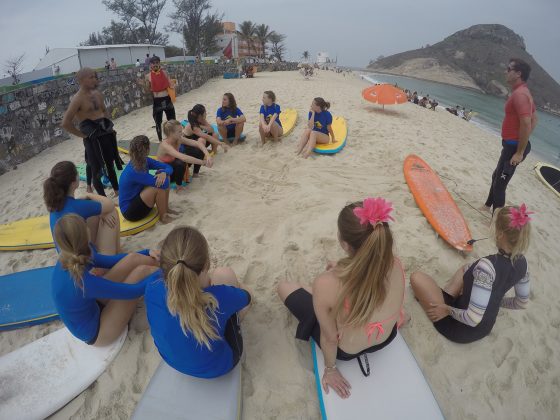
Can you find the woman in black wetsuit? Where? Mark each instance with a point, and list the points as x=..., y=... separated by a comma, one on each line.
x=465, y=309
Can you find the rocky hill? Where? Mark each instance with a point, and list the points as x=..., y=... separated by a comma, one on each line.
x=476, y=58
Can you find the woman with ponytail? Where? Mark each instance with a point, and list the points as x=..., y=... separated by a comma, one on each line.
x=355, y=306
x=98, y=211
x=96, y=309
x=193, y=313
x=319, y=128
x=201, y=131
x=466, y=308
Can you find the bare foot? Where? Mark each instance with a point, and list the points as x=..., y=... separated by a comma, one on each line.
x=166, y=219
x=195, y=176
x=171, y=211
x=89, y=189
x=485, y=208
x=307, y=153
x=235, y=142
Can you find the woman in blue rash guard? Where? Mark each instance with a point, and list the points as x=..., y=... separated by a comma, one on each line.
x=96, y=309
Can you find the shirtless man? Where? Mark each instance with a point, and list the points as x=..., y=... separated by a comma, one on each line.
x=88, y=108
x=157, y=81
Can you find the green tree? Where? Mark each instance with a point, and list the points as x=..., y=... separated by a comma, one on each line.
x=172, y=51
x=247, y=33
x=211, y=27
x=278, y=48
x=305, y=55
x=140, y=17
x=263, y=33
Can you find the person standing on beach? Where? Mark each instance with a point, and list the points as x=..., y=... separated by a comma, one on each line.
x=96, y=130
x=519, y=122
x=158, y=82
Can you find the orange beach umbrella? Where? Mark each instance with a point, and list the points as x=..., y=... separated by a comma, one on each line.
x=384, y=94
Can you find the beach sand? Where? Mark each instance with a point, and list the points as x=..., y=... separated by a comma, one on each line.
x=272, y=217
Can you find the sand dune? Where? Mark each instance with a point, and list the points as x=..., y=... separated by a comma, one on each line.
x=271, y=216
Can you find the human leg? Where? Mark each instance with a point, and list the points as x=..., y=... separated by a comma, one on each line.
x=157, y=113
x=276, y=131
x=117, y=313
x=108, y=239
x=303, y=140
x=196, y=153
x=425, y=290
x=238, y=130
x=314, y=138
x=262, y=134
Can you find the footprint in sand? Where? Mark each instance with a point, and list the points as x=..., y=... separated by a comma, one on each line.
x=500, y=351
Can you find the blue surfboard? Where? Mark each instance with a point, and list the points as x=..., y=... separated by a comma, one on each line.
x=25, y=299
x=184, y=123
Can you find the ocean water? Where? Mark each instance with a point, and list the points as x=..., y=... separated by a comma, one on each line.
x=545, y=140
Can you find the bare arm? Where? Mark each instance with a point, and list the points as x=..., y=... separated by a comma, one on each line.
x=311, y=120
x=103, y=107
x=107, y=206
x=322, y=291
x=181, y=156
x=525, y=128
x=68, y=120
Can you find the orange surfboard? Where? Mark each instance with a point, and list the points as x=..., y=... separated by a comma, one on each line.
x=436, y=203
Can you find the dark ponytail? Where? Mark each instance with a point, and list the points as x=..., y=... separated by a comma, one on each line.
x=321, y=103
x=194, y=114
x=57, y=185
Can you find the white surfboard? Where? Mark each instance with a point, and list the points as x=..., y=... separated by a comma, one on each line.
x=41, y=377
x=394, y=390
x=172, y=395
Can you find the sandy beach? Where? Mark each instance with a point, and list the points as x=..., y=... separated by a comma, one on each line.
x=271, y=216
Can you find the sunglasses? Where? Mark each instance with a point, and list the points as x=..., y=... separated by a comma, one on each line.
x=510, y=69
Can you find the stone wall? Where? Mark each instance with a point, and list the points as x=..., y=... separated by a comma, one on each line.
x=30, y=117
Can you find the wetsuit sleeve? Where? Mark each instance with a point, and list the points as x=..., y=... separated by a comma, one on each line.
x=328, y=120
x=108, y=261
x=521, y=299
x=522, y=104
x=160, y=166
x=96, y=287
x=238, y=113
x=87, y=208
x=484, y=275
x=261, y=110
x=233, y=299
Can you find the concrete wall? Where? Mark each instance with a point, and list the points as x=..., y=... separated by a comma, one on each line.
x=30, y=118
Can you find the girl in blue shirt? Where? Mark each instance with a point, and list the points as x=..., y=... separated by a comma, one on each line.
x=193, y=314
x=95, y=309
x=319, y=126
x=270, y=125
x=140, y=191
x=98, y=211
x=230, y=119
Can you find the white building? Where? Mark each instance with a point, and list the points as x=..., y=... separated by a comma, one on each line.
x=68, y=60
x=323, y=58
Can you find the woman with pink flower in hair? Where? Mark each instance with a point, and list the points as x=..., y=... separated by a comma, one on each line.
x=355, y=306
x=465, y=309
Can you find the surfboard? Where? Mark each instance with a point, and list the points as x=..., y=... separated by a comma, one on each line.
x=549, y=175
x=436, y=203
x=172, y=395
x=35, y=232
x=243, y=136
x=81, y=167
x=395, y=389
x=340, y=133
x=43, y=376
x=288, y=118
x=124, y=147
x=25, y=299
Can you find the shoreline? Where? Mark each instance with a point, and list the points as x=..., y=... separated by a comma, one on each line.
x=272, y=217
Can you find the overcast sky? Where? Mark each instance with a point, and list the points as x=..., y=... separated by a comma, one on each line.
x=355, y=31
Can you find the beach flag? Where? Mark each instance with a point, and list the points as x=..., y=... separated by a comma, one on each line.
x=228, y=52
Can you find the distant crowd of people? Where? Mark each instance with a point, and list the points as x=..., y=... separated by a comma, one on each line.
x=460, y=111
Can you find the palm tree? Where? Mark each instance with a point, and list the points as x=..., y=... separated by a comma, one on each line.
x=247, y=32
x=305, y=55
x=262, y=33
x=277, y=40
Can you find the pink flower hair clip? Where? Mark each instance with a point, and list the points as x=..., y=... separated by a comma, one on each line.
x=519, y=217
x=374, y=211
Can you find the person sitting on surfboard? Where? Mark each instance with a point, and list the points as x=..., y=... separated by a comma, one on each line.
x=270, y=124
x=140, y=190
x=159, y=84
x=355, y=306
x=168, y=152
x=98, y=211
x=194, y=313
x=96, y=309
x=319, y=127
x=465, y=309
x=230, y=119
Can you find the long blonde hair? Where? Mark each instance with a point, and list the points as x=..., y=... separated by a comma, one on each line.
x=363, y=274
x=184, y=255
x=71, y=236
x=517, y=239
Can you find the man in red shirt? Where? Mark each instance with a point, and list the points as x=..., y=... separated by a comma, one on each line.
x=158, y=81
x=519, y=122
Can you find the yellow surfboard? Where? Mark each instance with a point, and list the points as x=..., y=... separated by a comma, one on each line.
x=35, y=233
x=288, y=118
x=340, y=133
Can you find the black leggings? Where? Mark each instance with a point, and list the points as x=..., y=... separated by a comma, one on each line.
x=178, y=174
x=162, y=105
x=233, y=337
x=502, y=175
x=194, y=152
x=95, y=172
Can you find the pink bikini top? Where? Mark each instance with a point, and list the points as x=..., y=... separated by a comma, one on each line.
x=373, y=327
